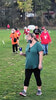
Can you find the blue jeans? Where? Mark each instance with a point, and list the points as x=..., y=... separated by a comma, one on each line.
x=45, y=47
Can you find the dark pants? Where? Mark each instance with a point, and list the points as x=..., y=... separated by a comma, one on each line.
x=28, y=73
x=14, y=47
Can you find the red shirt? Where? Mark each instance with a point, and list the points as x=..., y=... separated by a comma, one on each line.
x=18, y=32
x=26, y=31
x=45, y=38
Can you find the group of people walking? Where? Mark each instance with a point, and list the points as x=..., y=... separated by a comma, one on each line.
x=41, y=35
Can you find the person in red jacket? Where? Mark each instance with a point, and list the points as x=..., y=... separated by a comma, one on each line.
x=26, y=32
x=45, y=40
x=8, y=26
x=18, y=32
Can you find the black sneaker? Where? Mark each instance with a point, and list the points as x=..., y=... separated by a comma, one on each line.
x=23, y=93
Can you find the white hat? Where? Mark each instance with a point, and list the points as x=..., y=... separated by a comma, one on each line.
x=25, y=27
x=13, y=30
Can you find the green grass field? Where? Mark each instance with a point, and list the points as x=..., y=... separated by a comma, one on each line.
x=12, y=68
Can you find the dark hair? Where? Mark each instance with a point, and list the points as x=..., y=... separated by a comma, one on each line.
x=15, y=28
x=33, y=36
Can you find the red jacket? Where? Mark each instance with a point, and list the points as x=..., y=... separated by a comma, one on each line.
x=18, y=32
x=26, y=31
x=45, y=38
x=8, y=26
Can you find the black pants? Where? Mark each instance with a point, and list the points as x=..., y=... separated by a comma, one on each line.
x=28, y=73
x=14, y=47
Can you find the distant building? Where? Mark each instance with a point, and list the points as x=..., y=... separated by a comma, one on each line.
x=29, y=14
x=50, y=14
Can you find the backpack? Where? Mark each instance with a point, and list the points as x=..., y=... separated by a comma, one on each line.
x=15, y=39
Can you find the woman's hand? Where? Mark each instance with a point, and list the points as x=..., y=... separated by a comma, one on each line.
x=40, y=66
x=22, y=54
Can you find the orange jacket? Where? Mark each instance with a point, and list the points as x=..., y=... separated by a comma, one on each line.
x=12, y=36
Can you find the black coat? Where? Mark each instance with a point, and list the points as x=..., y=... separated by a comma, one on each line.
x=36, y=31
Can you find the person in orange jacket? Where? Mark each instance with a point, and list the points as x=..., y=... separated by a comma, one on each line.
x=14, y=38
